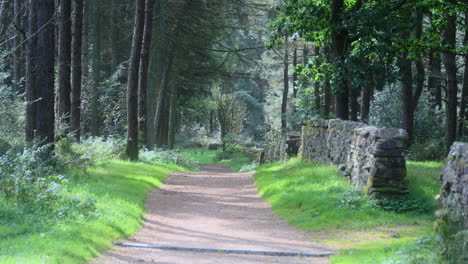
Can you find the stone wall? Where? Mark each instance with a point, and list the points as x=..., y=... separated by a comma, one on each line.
x=371, y=158
x=454, y=191
x=286, y=148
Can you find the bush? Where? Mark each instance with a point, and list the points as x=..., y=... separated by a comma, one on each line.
x=89, y=151
x=29, y=175
x=386, y=112
x=161, y=156
x=428, y=150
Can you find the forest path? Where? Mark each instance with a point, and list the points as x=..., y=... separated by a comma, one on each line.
x=214, y=208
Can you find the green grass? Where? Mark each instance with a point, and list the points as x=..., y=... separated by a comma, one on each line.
x=202, y=155
x=118, y=189
x=311, y=197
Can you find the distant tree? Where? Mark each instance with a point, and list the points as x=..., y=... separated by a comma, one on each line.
x=231, y=114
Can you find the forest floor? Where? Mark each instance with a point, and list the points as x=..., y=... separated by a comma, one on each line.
x=213, y=208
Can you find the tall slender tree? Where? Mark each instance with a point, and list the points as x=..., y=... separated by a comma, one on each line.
x=45, y=70
x=449, y=57
x=76, y=70
x=284, y=101
x=17, y=39
x=96, y=62
x=339, y=38
x=132, y=92
x=31, y=72
x=144, y=68
x=64, y=58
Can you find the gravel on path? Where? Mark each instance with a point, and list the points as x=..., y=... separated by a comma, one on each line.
x=214, y=208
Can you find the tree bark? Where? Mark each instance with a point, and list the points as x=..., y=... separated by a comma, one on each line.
x=172, y=118
x=31, y=68
x=144, y=67
x=64, y=65
x=327, y=98
x=17, y=39
x=318, y=105
x=339, y=37
x=449, y=37
x=434, y=82
x=366, y=99
x=406, y=74
x=132, y=92
x=284, y=102
x=463, y=127
x=96, y=62
x=294, y=72
x=45, y=71
x=75, y=97
x=420, y=70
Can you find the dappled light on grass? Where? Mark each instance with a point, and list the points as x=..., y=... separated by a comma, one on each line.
x=118, y=189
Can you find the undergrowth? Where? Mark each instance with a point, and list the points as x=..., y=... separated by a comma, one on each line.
x=101, y=205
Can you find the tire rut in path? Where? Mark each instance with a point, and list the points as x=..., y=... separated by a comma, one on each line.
x=214, y=208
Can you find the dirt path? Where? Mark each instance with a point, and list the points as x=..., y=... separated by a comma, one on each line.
x=214, y=208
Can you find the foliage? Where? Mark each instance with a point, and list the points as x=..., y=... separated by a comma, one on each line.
x=163, y=156
x=30, y=176
x=431, y=149
x=11, y=112
x=386, y=112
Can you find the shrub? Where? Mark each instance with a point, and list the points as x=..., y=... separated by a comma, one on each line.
x=386, y=112
x=432, y=149
x=161, y=156
x=31, y=175
x=89, y=151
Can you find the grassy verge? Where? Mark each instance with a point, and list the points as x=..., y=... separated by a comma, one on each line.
x=318, y=199
x=117, y=190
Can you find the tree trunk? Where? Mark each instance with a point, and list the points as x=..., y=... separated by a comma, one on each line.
x=366, y=99
x=284, y=103
x=64, y=65
x=45, y=70
x=420, y=70
x=407, y=119
x=318, y=105
x=162, y=93
x=328, y=97
x=31, y=72
x=144, y=67
x=463, y=127
x=339, y=38
x=449, y=37
x=434, y=83
x=172, y=118
x=96, y=57
x=75, y=97
x=115, y=50
x=132, y=93
x=18, y=68
x=294, y=72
